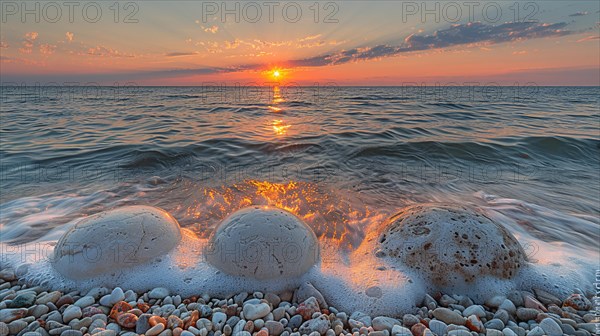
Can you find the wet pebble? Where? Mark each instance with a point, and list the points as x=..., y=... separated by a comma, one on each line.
x=438, y=327
x=85, y=301
x=494, y=324
x=71, y=312
x=157, y=329
x=256, y=311
x=158, y=293
x=550, y=327
x=274, y=327
x=380, y=323
x=9, y=315
x=449, y=316
x=526, y=314
x=320, y=325
x=578, y=302
x=474, y=310
x=23, y=300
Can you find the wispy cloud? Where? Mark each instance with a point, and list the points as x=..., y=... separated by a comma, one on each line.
x=589, y=38
x=212, y=29
x=473, y=34
x=181, y=54
x=263, y=47
x=47, y=49
x=102, y=51
x=456, y=35
x=309, y=38
x=461, y=34
x=28, y=42
x=579, y=14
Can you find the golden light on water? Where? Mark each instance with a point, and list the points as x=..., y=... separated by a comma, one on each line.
x=276, y=100
x=280, y=127
x=277, y=97
x=331, y=215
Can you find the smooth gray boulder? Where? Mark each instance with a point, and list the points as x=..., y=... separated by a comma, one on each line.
x=263, y=243
x=115, y=240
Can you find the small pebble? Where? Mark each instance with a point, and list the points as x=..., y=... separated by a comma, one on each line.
x=550, y=327
x=72, y=312
x=158, y=293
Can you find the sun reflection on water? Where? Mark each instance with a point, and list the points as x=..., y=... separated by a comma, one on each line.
x=280, y=127
x=332, y=215
x=277, y=97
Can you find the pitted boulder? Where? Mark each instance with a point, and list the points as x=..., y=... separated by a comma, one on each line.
x=451, y=243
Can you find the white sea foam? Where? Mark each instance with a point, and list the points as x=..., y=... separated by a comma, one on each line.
x=350, y=280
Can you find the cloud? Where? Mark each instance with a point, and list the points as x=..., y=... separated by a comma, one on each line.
x=102, y=51
x=579, y=14
x=180, y=54
x=479, y=32
x=260, y=47
x=309, y=38
x=31, y=35
x=3, y=45
x=47, y=49
x=315, y=41
x=213, y=29
x=69, y=36
x=251, y=55
x=28, y=42
x=456, y=35
x=589, y=38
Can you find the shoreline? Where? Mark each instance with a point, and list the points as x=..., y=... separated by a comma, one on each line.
x=32, y=311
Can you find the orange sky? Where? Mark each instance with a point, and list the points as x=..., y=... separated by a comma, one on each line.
x=352, y=43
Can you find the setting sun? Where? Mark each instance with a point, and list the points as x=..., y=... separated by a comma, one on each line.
x=276, y=74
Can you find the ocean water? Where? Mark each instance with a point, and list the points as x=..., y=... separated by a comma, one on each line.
x=342, y=158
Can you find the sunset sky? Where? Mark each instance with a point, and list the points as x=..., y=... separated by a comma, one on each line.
x=351, y=42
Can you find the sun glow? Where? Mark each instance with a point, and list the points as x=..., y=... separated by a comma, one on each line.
x=276, y=74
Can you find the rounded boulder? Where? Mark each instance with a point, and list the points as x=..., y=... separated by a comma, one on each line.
x=451, y=244
x=114, y=240
x=263, y=243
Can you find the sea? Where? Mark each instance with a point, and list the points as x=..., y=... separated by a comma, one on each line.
x=344, y=159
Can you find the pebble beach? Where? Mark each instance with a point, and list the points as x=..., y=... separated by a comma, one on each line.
x=34, y=311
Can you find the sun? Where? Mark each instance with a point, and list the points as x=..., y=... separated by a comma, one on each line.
x=276, y=73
